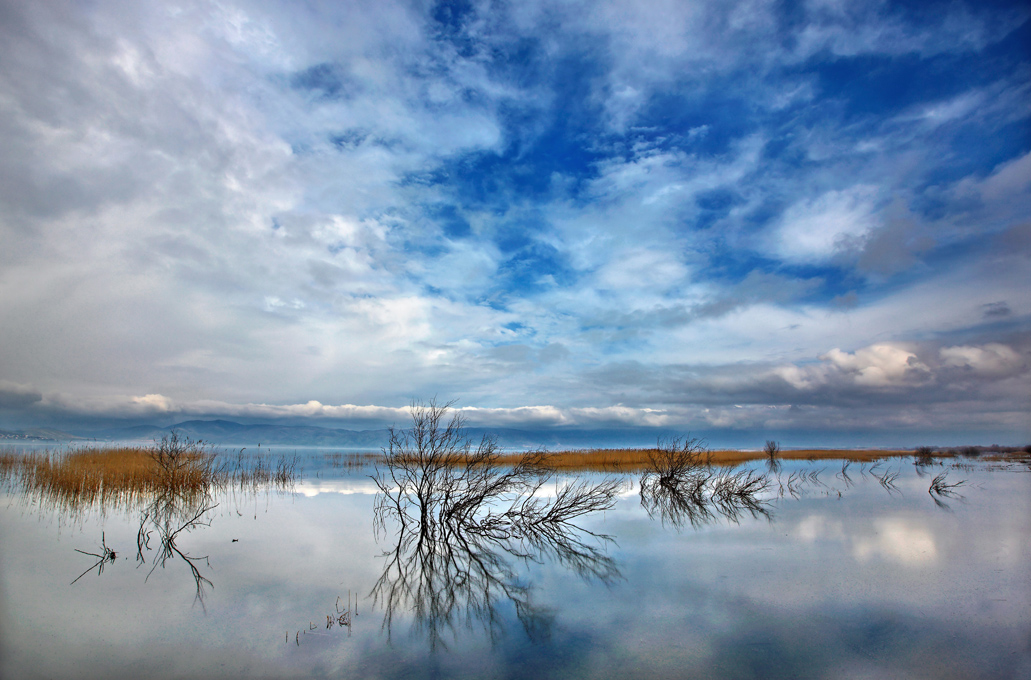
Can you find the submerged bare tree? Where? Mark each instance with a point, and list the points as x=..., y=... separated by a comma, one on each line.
x=433, y=478
x=684, y=487
x=678, y=459
x=772, y=450
x=466, y=524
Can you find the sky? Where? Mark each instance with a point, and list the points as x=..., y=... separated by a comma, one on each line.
x=711, y=217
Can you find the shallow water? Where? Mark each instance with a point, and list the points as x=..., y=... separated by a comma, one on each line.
x=849, y=579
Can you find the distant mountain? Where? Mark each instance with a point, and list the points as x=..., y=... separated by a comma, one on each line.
x=132, y=433
x=225, y=432
x=38, y=434
x=229, y=433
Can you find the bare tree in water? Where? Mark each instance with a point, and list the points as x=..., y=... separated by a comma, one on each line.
x=684, y=487
x=466, y=526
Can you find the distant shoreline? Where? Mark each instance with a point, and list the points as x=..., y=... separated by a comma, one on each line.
x=638, y=460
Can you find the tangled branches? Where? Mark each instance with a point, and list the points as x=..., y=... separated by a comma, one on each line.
x=465, y=524
x=684, y=487
x=434, y=481
x=941, y=489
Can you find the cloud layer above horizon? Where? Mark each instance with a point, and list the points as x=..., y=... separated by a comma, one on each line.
x=752, y=215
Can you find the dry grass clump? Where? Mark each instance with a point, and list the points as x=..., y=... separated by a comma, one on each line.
x=940, y=486
x=94, y=475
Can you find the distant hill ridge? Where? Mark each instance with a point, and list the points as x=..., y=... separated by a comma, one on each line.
x=229, y=433
x=37, y=434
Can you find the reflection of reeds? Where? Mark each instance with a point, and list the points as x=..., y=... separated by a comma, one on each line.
x=887, y=478
x=843, y=475
x=173, y=485
x=353, y=461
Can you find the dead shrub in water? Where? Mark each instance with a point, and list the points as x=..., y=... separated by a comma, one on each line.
x=105, y=555
x=433, y=477
x=886, y=479
x=677, y=458
x=465, y=523
x=182, y=463
x=923, y=457
x=970, y=451
x=941, y=489
x=684, y=486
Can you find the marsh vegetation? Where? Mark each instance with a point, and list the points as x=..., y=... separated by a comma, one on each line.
x=130, y=476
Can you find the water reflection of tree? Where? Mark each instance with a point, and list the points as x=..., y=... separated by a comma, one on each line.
x=466, y=529
x=683, y=487
x=171, y=515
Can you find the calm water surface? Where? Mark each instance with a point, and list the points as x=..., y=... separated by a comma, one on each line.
x=845, y=578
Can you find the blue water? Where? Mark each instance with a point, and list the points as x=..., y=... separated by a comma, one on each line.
x=845, y=577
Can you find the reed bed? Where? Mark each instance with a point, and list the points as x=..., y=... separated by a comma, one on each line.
x=126, y=476
x=640, y=460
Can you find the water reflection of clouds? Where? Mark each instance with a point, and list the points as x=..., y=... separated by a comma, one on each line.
x=897, y=540
x=893, y=539
x=311, y=488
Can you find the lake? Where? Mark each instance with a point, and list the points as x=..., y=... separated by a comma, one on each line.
x=855, y=573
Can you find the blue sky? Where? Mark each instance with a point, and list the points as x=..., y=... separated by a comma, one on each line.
x=754, y=217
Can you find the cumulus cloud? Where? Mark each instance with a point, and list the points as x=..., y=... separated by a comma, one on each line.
x=864, y=389
x=879, y=365
x=992, y=360
x=899, y=540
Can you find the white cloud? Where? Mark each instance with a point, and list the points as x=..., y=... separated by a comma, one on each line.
x=1010, y=179
x=881, y=365
x=814, y=230
x=993, y=359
